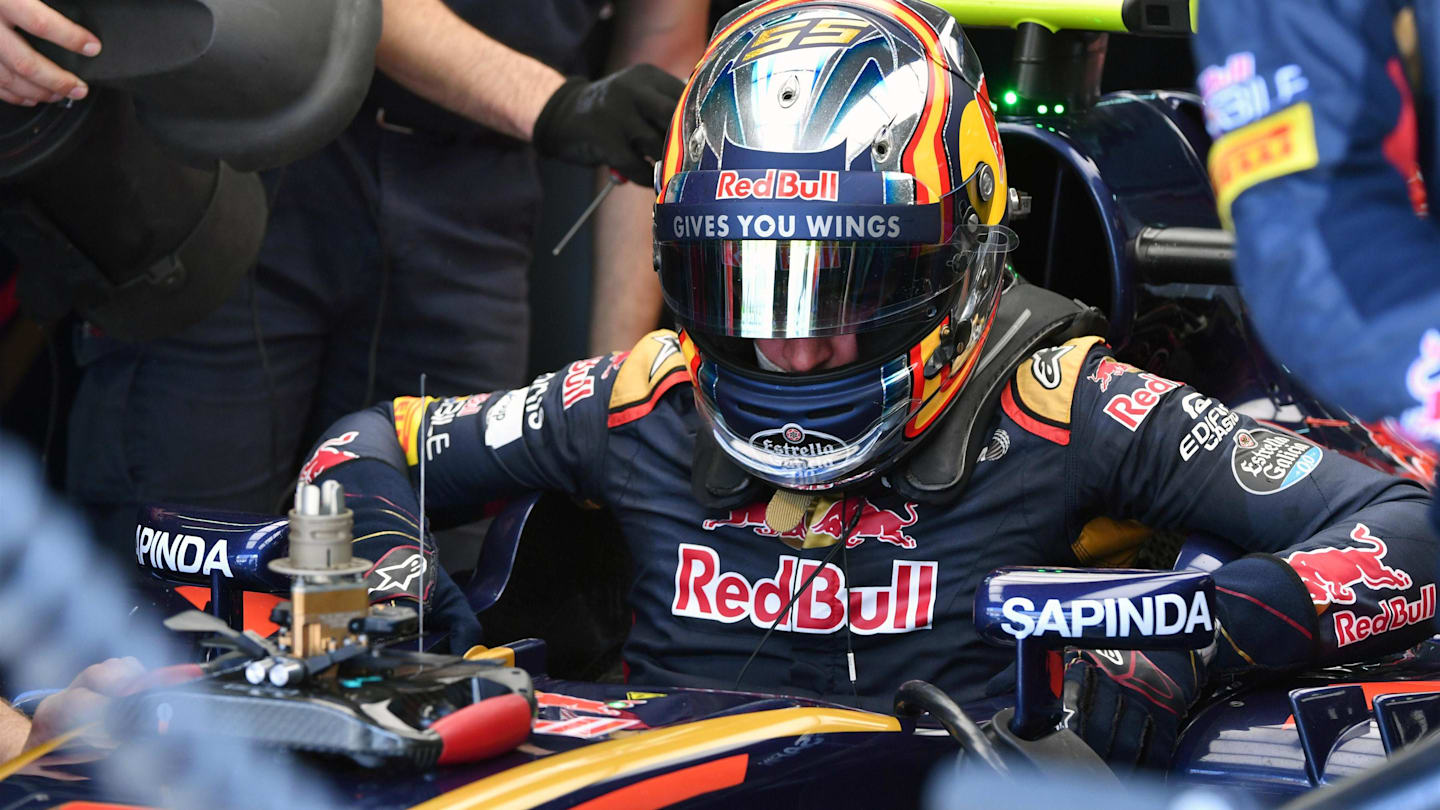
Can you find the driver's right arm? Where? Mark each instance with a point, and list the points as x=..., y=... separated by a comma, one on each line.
x=549, y=435
x=553, y=434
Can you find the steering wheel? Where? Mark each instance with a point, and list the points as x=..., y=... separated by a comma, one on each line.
x=917, y=697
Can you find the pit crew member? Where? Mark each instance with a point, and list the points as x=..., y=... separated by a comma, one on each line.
x=1324, y=114
x=866, y=412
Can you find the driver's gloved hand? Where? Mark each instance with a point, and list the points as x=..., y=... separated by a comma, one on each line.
x=617, y=121
x=1128, y=705
x=399, y=573
x=452, y=612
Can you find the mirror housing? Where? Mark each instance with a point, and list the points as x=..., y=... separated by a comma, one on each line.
x=1040, y=609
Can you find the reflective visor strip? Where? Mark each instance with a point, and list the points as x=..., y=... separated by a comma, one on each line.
x=759, y=257
x=925, y=157
x=735, y=287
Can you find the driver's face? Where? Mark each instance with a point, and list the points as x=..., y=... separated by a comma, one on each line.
x=808, y=354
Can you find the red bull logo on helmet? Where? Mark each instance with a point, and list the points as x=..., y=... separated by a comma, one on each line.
x=704, y=591
x=328, y=455
x=1329, y=573
x=874, y=521
x=776, y=184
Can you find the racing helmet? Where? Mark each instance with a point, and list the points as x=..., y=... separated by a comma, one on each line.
x=833, y=169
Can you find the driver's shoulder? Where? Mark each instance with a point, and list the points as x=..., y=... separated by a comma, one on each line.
x=658, y=364
x=1040, y=396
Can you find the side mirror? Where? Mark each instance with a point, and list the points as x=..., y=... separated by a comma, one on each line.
x=1043, y=609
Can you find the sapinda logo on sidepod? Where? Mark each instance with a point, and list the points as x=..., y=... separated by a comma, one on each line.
x=182, y=553
x=1165, y=614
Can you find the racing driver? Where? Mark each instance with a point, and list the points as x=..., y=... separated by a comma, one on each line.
x=866, y=411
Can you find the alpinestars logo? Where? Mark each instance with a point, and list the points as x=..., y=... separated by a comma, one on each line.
x=398, y=577
x=703, y=591
x=1045, y=366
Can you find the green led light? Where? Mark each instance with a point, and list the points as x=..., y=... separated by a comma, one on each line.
x=1010, y=97
x=1059, y=109
x=1042, y=109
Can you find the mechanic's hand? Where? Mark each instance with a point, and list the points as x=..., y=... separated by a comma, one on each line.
x=84, y=700
x=618, y=121
x=26, y=77
x=1128, y=705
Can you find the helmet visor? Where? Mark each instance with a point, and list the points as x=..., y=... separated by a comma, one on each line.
x=757, y=288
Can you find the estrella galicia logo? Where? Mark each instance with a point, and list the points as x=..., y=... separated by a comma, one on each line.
x=1267, y=461
x=793, y=440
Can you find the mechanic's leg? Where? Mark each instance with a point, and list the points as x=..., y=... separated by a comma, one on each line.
x=213, y=416
x=459, y=218
x=197, y=418
x=461, y=231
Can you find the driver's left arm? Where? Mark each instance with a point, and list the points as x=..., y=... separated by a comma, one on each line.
x=1344, y=562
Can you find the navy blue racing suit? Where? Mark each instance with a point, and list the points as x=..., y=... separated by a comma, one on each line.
x=1324, y=124
x=1082, y=452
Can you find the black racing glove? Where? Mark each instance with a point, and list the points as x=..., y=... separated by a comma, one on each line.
x=452, y=612
x=1128, y=705
x=398, y=577
x=617, y=121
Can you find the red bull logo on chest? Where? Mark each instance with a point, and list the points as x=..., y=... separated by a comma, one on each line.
x=1329, y=573
x=704, y=591
x=885, y=525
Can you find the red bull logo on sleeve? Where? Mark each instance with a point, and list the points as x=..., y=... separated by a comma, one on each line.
x=1131, y=409
x=704, y=591
x=1395, y=613
x=873, y=521
x=1329, y=573
x=1107, y=371
x=328, y=455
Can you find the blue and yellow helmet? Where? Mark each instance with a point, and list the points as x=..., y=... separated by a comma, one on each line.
x=833, y=168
